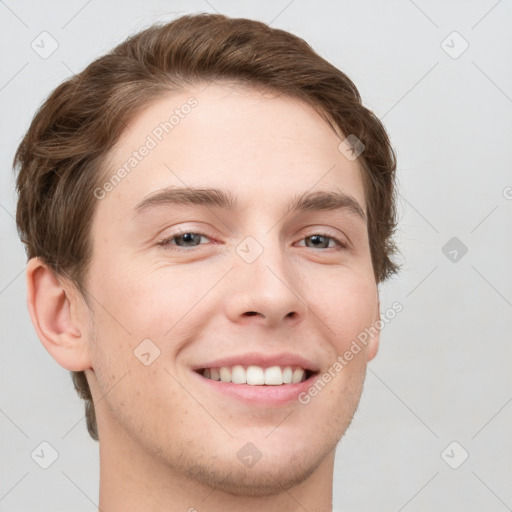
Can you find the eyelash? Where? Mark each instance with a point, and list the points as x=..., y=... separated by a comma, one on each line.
x=167, y=245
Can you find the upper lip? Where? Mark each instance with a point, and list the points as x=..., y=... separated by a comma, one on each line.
x=259, y=359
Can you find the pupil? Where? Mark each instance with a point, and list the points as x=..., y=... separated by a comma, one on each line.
x=317, y=238
x=188, y=237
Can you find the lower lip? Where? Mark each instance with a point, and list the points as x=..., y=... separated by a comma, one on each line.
x=264, y=395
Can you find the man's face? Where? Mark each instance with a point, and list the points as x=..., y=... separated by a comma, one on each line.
x=256, y=285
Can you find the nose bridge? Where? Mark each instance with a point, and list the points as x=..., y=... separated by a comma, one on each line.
x=264, y=281
x=264, y=258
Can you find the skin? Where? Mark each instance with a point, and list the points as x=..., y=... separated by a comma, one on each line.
x=167, y=442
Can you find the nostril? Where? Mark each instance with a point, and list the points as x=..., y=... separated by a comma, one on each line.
x=251, y=313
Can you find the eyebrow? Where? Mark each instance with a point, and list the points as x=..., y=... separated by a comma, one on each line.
x=224, y=199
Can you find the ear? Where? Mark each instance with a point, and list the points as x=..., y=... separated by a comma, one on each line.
x=55, y=312
x=373, y=345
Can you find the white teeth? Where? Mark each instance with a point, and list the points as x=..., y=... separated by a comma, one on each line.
x=273, y=376
x=298, y=374
x=256, y=375
x=225, y=374
x=238, y=374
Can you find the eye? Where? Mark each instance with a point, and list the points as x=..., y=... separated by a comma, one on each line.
x=189, y=239
x=323, y=241
x=182, y=240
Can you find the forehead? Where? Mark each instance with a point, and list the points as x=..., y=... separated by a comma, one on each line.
x=262, y=146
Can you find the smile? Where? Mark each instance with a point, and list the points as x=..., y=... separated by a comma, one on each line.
x=257, y=375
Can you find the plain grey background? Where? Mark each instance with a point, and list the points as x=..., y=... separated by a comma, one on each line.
x=440, y=389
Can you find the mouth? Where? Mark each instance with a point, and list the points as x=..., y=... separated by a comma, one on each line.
x=253, y=375
x=257, y=378
x=257, y=386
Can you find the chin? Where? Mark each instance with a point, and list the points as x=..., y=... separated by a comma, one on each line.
x=262, y=479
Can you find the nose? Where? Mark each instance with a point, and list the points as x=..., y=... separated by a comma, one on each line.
x=265, y=291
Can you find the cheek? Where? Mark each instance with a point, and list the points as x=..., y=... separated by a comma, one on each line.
x=143, y=318
x=137, y=304
x=347, y=303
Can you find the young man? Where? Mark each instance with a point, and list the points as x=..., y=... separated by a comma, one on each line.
x=208, y=210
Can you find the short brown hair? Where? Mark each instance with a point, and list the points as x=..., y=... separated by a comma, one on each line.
x=61, y=156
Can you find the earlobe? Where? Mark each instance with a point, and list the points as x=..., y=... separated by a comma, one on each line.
x=54, y=313
x=373, y=345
